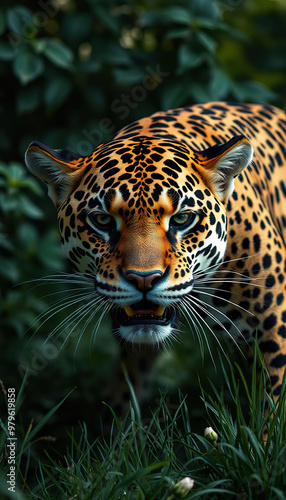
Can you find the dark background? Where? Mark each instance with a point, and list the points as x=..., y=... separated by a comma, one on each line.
x=72, y=74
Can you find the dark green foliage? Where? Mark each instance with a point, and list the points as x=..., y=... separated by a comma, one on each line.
x=144, y=457
x=67, y=68
x=72, y=74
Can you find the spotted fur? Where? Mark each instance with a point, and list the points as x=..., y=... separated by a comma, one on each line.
x=175, y=217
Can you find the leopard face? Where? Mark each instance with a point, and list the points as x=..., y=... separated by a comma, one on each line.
x=143, y=218
x=145, y=225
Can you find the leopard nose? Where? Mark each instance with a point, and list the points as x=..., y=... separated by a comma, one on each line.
x=143, y=280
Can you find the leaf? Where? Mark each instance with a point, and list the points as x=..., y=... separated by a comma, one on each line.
x=7, y=204
x=7, y=53
x=20, y=21
x=56, y=91
x=257, y=92
x=130, y=76
x=140, y=495
x=58, y=53
x=128, y=479
x=219, y=84
x=201, y=8
x=17, y=177
x=167, y=15
x=177, y=33
x=28, y=66
x=6, y=243
x=187, y=59
x=9, y=270
x=173, y=95
x=13, y=171
x=33, y=432
x=111, y=22
x=252, y=91
x=29, y=208
x=49, y=251
x=28, y=235
x=198, y=93
x=39, y=45
x=209, y=23
x=207, y=41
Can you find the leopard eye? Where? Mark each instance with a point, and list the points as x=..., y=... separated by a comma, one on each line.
x=183, y=219
x=102, y=221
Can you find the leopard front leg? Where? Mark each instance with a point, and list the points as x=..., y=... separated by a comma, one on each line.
x=273, y=348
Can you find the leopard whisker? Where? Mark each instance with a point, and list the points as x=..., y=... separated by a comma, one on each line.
x=88, y=321
x=203, y=306
x=61, y=278
x=246, y=281
x=189, y=305
x=59, y=306
x=167, y=344
x=173, y=337
x=68, y=320
x=83, y=314
x=73, y=290
x=75, y=293
x=227, y=262
x=65, y=322
x=107, y=307
x=225, y=300
x=192, y=325
x=92, y=314
x=225, y=271
x=235, y=275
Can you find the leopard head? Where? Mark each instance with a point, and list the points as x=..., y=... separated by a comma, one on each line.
x=143, y=217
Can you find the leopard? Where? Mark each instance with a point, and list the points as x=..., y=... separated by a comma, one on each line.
x=180, y=217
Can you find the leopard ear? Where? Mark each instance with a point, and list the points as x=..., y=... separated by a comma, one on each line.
x=58, y=168
x=223, y=162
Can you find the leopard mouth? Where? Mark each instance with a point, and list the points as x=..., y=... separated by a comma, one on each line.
x=145, y=313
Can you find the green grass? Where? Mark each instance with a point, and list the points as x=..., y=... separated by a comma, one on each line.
x=140, y=458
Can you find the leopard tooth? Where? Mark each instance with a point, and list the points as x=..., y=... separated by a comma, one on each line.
x=160, y=310
x=157, y=313
x=129, y=311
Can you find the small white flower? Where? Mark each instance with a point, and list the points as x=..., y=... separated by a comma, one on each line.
x=181, y=489
x=210, y=435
